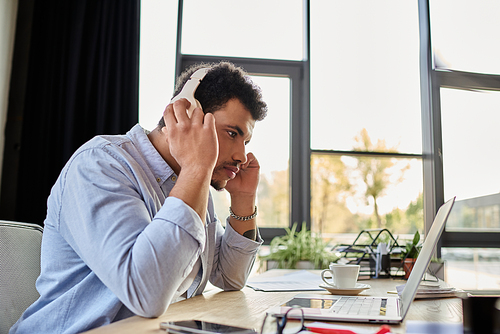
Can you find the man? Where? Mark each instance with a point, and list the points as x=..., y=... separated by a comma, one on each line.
x=130, y=224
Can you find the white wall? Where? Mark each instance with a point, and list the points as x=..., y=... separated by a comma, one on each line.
x=8, y=14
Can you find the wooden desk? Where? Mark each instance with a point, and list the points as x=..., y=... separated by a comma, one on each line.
x=247, y=308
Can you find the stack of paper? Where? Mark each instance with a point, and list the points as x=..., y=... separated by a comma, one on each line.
x=438, y=289
x=296, y=281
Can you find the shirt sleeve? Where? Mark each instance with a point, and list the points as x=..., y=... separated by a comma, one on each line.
x=234, y=258
x=103, y=216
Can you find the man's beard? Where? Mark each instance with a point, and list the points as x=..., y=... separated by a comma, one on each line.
x=219, y=185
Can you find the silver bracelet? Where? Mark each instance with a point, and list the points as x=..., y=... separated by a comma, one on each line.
x=245, y=218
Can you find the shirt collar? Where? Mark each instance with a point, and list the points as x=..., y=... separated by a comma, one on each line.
x=154, y=160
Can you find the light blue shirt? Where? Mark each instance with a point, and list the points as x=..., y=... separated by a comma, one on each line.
x=114, y=245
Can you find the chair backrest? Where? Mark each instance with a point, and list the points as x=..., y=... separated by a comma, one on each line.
x=20, y=245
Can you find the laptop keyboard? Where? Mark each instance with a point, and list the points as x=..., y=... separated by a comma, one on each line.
x=369, y=306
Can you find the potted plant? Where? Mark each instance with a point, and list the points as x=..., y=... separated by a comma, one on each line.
x=410, y=253
x=292, y=249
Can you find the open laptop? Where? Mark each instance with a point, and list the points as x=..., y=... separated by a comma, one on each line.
x=389, y=309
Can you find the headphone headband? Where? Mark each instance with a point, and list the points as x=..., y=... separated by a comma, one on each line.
x=190, y=87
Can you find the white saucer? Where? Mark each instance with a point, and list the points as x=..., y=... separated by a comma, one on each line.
x=347, y=291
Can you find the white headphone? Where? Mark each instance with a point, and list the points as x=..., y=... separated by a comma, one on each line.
x=189, y=88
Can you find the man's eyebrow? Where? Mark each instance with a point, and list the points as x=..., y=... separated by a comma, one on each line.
x=237, y=129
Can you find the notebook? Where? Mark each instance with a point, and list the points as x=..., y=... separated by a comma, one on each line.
x=387, y=309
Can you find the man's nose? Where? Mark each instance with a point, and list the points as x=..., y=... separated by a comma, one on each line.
x=240, y=154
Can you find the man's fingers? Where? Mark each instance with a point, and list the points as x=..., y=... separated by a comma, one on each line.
x=168, y=118
x=209, y=120
x=251, y=162
x=197, y=115
x=180, y=110
x=168, y=114
x=175, y=113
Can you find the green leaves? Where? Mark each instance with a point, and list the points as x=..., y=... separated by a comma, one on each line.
x=296, y=246
x=412, y=249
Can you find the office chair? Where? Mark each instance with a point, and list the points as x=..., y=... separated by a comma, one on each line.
x=20, y=245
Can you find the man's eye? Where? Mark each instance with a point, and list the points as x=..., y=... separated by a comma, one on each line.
x=232, y=133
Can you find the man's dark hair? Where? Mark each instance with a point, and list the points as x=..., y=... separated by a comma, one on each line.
x=223, y=82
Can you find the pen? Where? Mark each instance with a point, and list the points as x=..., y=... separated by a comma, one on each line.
x=330, y=330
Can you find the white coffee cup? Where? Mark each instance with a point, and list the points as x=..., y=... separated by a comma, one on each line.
x=344, y=276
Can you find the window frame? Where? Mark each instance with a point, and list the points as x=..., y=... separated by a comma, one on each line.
x=300, y=152
x=431, y=82
x=299, y=162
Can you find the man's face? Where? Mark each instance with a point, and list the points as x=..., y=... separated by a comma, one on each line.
x=234, y=125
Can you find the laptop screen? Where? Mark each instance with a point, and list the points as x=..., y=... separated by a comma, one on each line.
x=424, y=258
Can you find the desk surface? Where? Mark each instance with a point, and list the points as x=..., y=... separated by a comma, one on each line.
x=247, y=308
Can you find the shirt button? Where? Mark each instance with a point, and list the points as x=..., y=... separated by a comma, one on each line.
x=174, y=178
x=158, y=180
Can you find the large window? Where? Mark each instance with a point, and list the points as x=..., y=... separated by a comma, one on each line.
x=365, y=75
x=270, y=144
x=354, y=193
x=272, y=51
x=465, y=99
x=471, y=159
x=378, y=118
x=465, y=35
x=277, y=142
x=249, y=29
x=365, y=117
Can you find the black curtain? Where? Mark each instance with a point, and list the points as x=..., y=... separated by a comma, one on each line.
x=82, y=81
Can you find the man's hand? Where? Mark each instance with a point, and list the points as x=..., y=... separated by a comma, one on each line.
x=246, y=181
x=192, y=141
x=243, y=191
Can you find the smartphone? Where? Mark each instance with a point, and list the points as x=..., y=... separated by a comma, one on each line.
x=202, y=327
